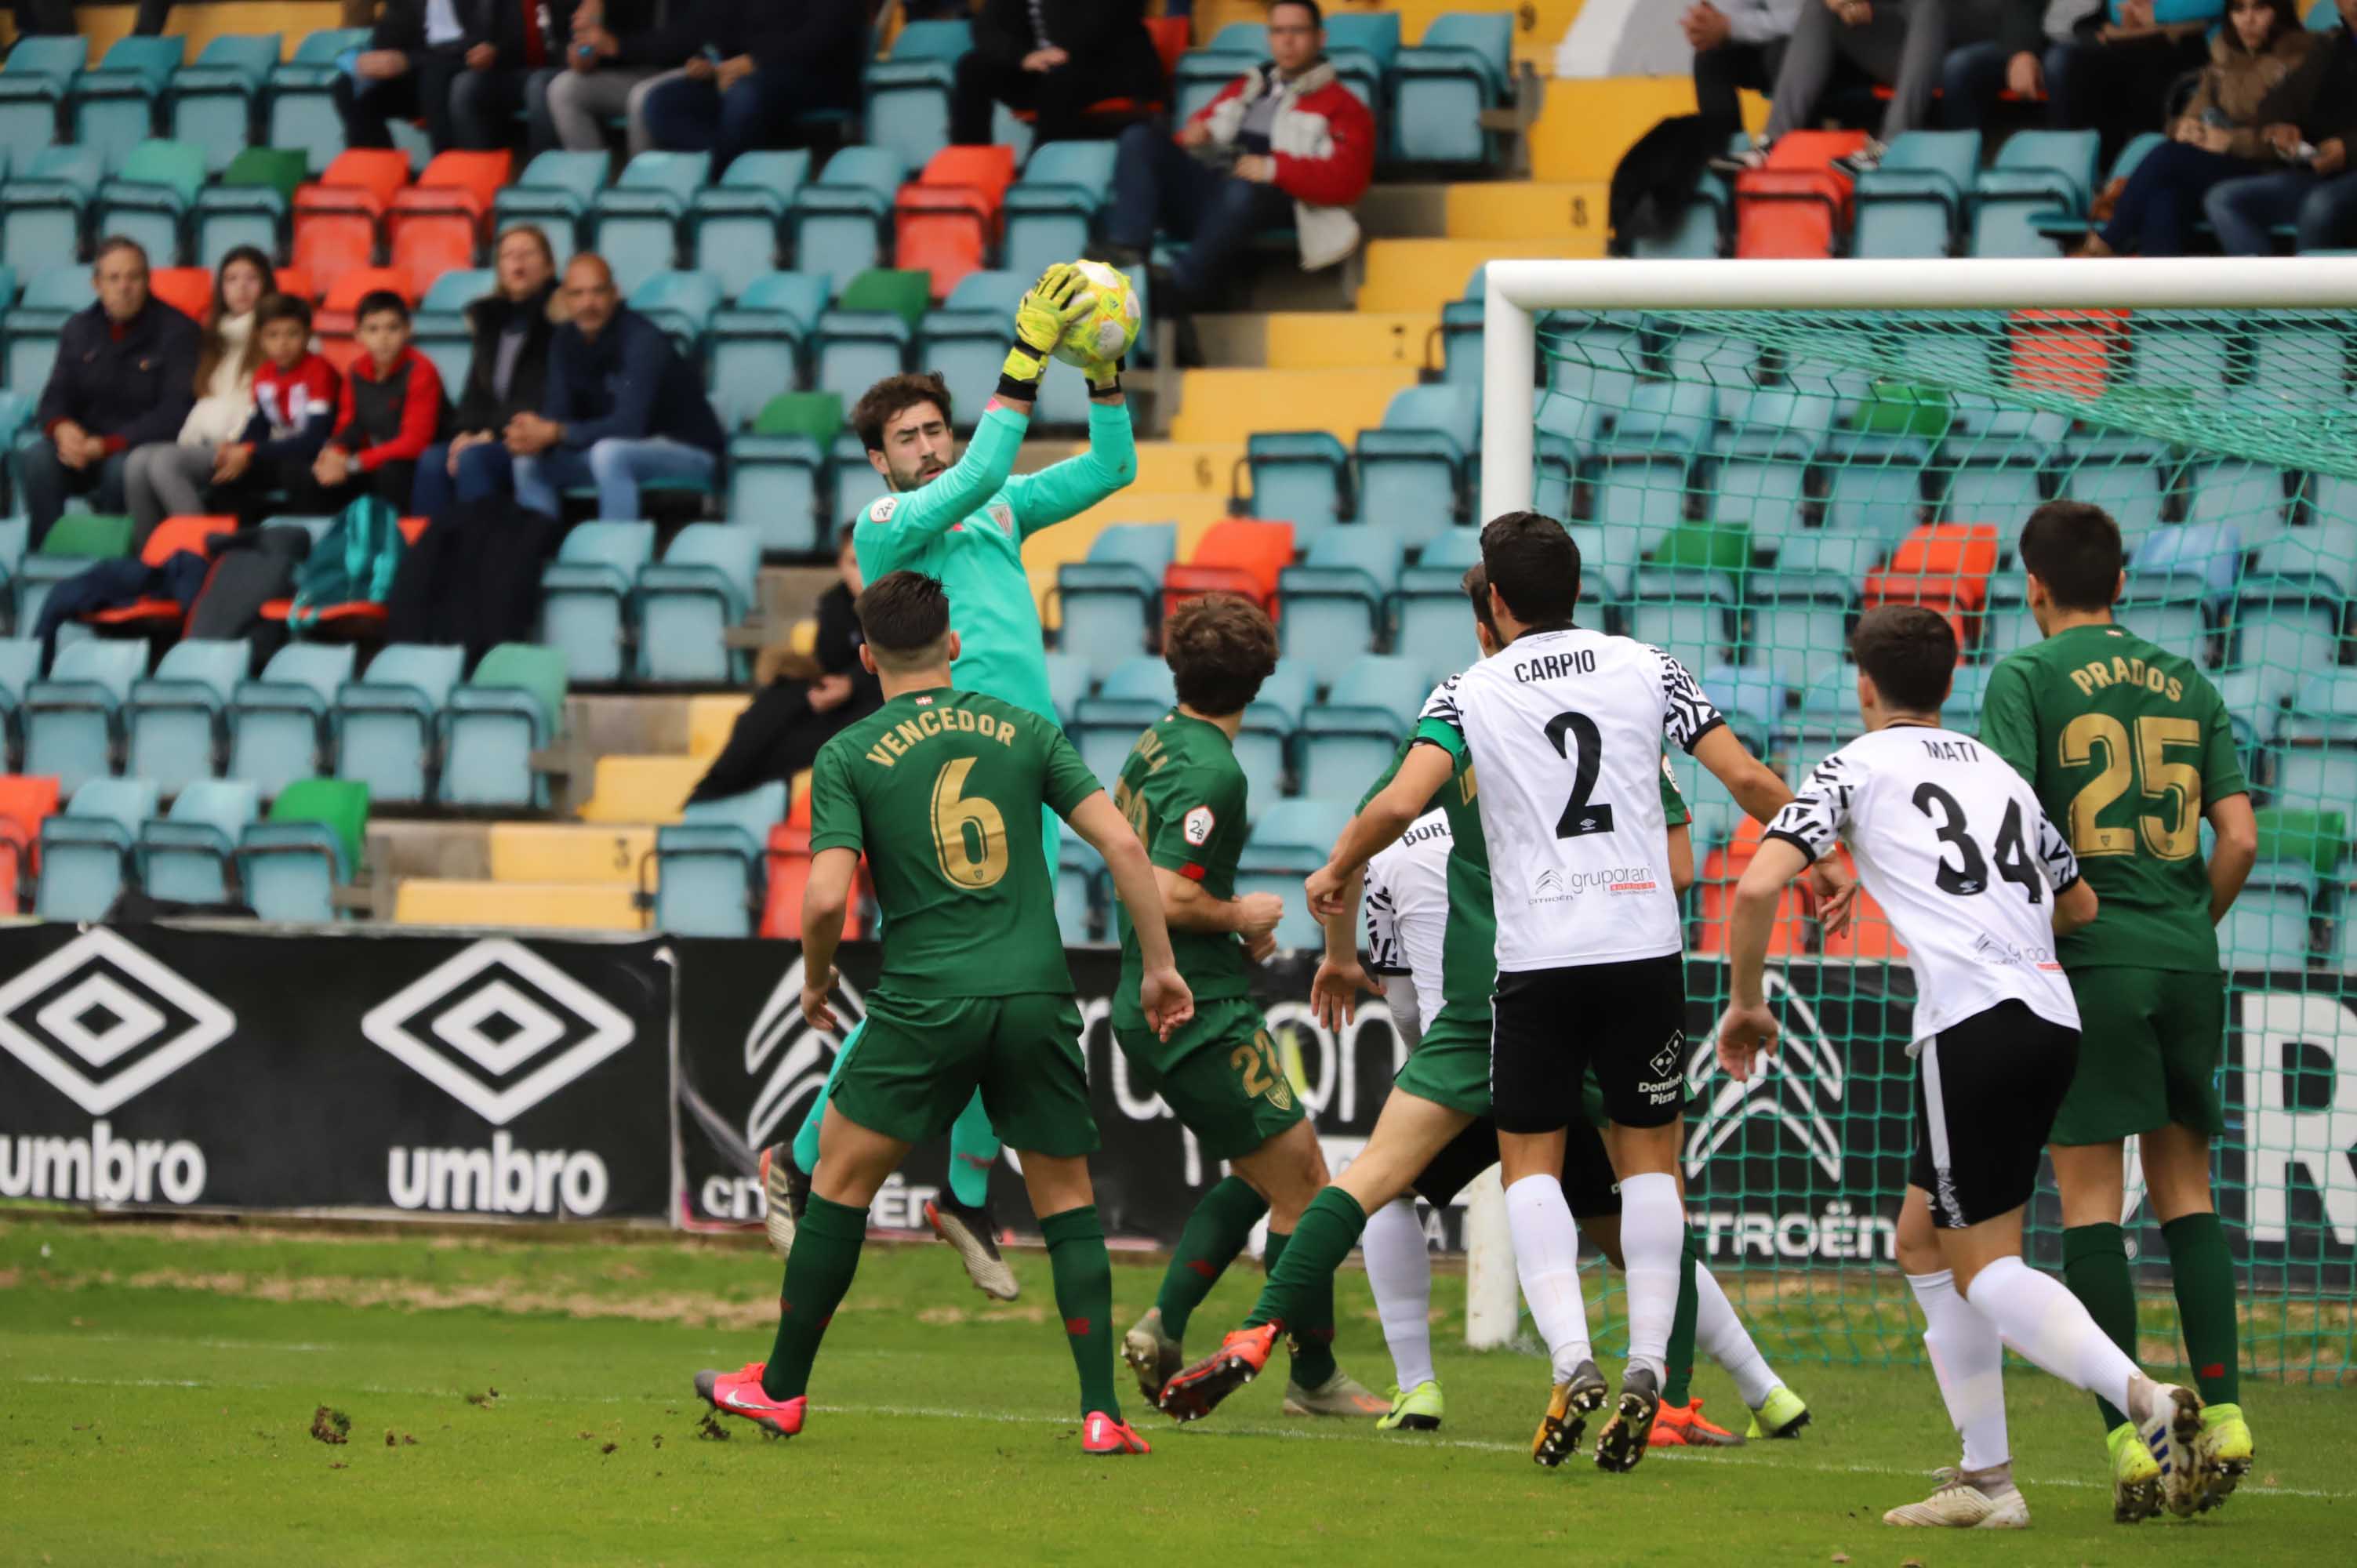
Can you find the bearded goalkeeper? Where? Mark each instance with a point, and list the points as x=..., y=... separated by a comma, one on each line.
x=963, y=522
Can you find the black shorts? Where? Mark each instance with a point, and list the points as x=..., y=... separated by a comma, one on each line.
x=1550, y=1025
x=1985, y=1094
x=1588, y=1184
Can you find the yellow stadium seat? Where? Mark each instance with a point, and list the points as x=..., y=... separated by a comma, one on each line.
x=1423, y=275
x=516, y=906
x=1586, y=123
x=561, y=852
x=642, y=788
x=1231, y=405
x=1323, y=340
x=1186, y=468
x=709, y=719
x=1571, y=212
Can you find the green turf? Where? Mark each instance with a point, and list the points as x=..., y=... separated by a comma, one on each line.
x=159, y=1384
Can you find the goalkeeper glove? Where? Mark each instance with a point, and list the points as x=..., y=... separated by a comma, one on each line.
x=1041, y=318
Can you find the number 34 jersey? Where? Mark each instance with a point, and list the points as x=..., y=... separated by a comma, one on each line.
x=1566, y=729
x=942, y=791
x=1954, y=845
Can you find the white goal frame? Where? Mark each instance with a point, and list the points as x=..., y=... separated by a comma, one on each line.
x=1515, y=291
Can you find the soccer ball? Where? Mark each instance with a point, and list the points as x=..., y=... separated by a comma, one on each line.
x=1105, y=333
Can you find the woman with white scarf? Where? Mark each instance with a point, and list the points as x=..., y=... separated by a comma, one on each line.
x=170, y=480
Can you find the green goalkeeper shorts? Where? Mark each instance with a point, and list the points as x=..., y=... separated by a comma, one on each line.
x=920, y=1058
x=2150, y=1044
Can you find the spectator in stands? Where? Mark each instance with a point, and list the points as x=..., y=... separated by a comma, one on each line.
x=1901, y=43
x=803, y=698
x=511, y=327
x=1055, y=58
x=615, y=52
x=2117, y=74
x=2032, y=56
x=622, y=407
x=167, y=479
x=1736, y=45
x=763, y=68
x=2263, y=73
x=461, y=64
x=388, y=413
x=295, y=392
x=2316, y=190
x=1284, y=142
x=125, y=374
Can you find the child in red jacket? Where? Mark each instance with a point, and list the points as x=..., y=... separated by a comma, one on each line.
x=390, y=412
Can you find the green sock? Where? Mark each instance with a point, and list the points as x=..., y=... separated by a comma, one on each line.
x=1680, y=1355
x=1215, y=1233
x=974, y=1149
x=2204, y=1273
x=1083, y=1272
x=818, y=1273
x=2095, y=1267
x=1301, y=1289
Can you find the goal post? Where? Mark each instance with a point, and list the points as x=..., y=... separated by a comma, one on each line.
x=1749, y=454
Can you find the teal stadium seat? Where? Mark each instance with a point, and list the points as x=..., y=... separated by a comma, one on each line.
x=555, y=194
x=589, y=595
x=42, y=208
x=512, y=706
x=2285, y=628
x=2037, y=174
x=1109, y=600
x=1264, y=739
x=73, y=719
x=114, y=105
x=178, y=718
x=389, y=722
x=681, y=303
x=282, y=725
x=213, y=99
x=1914, y=202
x=711, y=867
x=908, y=93
x=1079, y=868
x=86, y=848
x=1434, y=628
x=639, y=217
x=1636, y=463
x=249, y=204
x=1689, y=614
x=1412, y=469
x=1460, y=66
x=2315, y=753
x=2255, y=497
x=2267, y=929
x=1362, y=47
x=1050, y=211
x=758, y=343
x=2131, y=477
x=1068, y=683
x=1337, y=600
x=838, y=219
x=291, y=865
x=1289, y=840
x=439, y=327
x=1300, y=475
x=1826, y=720
x=40, y=72
x=20, y=666
x=778, y=475
x=151, y=196
x=1799, y=616
x=857, y=482
x=1201, y=73
x=1138, y=691
x=1757, y=467
x=1348, y=739
x=303, y=96
x=870, y=334
x=965, y=340
x=737, y=227
x=187, y=858
x=704, y=586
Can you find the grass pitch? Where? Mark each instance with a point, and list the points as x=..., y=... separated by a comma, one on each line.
x=516, y=1400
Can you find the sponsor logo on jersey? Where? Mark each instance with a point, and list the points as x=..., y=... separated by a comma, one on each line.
x=1196, y=826
x=883, y=509
x=1553, y=887
x=1991, y=949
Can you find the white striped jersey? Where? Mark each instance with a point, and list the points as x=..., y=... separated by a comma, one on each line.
x=1408, y=909
x=1565, y=728
x=1954, y=845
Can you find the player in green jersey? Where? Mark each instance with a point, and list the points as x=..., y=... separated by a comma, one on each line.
x=2129, y=747
x=1184, y=792
x=942, y=790
x=964, y=521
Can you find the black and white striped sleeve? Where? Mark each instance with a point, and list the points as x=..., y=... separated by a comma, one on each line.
x=1687, y=715
x=1812, y=821
x=2054, y=851
x=1383, y=955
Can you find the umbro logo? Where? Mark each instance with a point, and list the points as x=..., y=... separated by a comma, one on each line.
x=498, y=1028
x=102, y=1020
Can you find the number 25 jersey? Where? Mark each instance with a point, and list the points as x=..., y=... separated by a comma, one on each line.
x=1954, y=845
x=1565, y=729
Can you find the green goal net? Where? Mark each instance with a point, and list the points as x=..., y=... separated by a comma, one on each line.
x=1743, y=483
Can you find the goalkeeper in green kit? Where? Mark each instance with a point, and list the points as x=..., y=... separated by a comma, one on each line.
x=963, y=522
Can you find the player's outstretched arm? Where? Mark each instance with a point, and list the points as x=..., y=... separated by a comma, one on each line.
x=1065, y=490
x=1390, y=812
x=1748, y=1028
x=826, y=900
x=1334, y=991
x=2235, y=850
x=1762, y=793
x=1163, y=994
x=1186, y=907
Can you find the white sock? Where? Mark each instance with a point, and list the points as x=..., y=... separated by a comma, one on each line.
x=2050, y=1326
x=1719, y=1328
x=1653, y=1243
x=1399, y=1268
x=1968, y=1360
x=1547, y=1258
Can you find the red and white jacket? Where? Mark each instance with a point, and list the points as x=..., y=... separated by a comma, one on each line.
x=1324, y=142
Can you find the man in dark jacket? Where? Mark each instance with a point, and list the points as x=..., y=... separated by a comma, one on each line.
x=759, y=69
x=1055, y=58
x=124, y=375
x=511, y=327
x=621, y=408
x=615, y=49
x=461, y=64
x=2318, y=192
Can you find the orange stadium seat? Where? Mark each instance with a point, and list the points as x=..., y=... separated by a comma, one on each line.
x=25, y=802
x=2073, y=352
x=172, y=535
x=337, y=218
x=189, y=290
x=337, y=316
x=1943, y=566
x=1238, y=555
x=436, y=225
x=1721, y=870
x=948, y=220
x=1799, y=206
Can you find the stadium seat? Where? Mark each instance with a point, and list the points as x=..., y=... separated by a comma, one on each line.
x=1201, y=74
x=838, y=219
x=2267, y=930
x=40, y=72
x=153, y=190
x=512, y=706
x=389, y=722
x=1943, y=566
x=1361, y=47
x=1759, y=458
x=73, y=719
x=711, y=867
x=439, y=329
x=2170, y=608
x=1721, y=869
x=161, y=614
x=1265, y=740
x=1236, y=556
x=704, y=586
x=280, y=724
x=1799, y=206
x=1302, y=476
x=1136, y=694
x=1336, y=601
x=42, y=207
x=1799, y=617
x=337, y=321
x=1289, y=840
x=739, y=226
x=86, y=848
x=212, y=100
x=908, y=93
x=857, y=482
x=248, y=206
x=777, y=474
x=290, y=865
x=639, y=217
x=757, y=344
x=177, y=718
x=1913, y=203
x=869, y=333
x=681, y=303
x=1068, y=683
x=20, y=666
x=189, y=290
x=2132, y=484
x=1434, y=622
x=1412, y=471
x=2253, y=497
x=25, y=805
x=76, y=539
x=2287, y=629
x=1689, y=614
x=947, y=220
x=1348, y=739
x=2293, y=364
x=302, y=95
x=1079, y=868
x=2315, y=756
x=1050, y=212
x=586, y=597
x=113, y=104
x=1460, y=68
x=188, y=856
x=965, y=340
x=1108, y=599
x=337, y=218
x=2035, y=175
x=438, y=225
x=555, y=194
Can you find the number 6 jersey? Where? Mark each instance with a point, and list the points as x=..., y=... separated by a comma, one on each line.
x=1565, y=729
x=1954, y=845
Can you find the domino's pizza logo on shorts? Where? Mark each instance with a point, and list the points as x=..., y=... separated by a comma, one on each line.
x=1667, y=1066
x=500, y=1029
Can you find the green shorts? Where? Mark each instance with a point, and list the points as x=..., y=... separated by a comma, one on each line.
x=922, y=1057
x=1450, y=1066
x=2149, y=1044
x=1221, y=1076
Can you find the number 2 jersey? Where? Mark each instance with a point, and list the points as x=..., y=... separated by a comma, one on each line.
x=1567, y=729
x=942, y=791
x=1954, y=845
